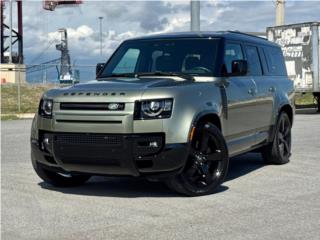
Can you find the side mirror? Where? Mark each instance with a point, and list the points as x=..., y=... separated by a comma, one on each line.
x=99, y=67
x=239, y=67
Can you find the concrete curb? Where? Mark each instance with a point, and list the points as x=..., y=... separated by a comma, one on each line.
x=20, y=115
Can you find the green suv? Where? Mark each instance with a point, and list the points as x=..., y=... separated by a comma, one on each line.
x=172, y=107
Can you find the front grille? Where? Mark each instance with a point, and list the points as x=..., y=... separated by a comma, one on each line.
x=114, y=150
x=88, y=139
x=85, y=106
x=90, y=149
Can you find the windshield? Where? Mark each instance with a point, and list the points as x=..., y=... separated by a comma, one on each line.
x=196, y=57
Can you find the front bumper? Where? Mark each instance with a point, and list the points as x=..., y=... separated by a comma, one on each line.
x=108, y=154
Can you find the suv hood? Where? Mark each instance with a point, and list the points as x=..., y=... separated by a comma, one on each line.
x=129, y=89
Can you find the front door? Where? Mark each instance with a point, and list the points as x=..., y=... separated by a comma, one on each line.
x=240, y=121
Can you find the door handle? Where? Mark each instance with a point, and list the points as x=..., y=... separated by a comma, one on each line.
x=272, y=89
x=251, y=91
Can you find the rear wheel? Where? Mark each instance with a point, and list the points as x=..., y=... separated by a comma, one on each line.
x=207, y=164
x=60, y=179
x=279, y=150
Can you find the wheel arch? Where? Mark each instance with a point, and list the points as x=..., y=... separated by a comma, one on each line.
x=204, y=117
x=287, y=108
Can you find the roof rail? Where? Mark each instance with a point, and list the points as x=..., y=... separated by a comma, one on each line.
x=247, y=34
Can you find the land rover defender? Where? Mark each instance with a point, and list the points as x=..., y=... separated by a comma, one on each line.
x=173, y=107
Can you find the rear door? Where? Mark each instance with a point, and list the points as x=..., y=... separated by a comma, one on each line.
x=264, y=92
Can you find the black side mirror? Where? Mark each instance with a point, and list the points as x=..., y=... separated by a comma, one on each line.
x=239, y=67
x=99, y=67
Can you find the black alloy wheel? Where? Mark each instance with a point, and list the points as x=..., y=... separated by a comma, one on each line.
x=284, y=137
x=207, y=164
x=279, y=150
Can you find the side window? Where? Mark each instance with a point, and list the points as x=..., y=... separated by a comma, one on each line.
x=128, y=62
x=232, y=52
x=275, y=61
x=254, y=65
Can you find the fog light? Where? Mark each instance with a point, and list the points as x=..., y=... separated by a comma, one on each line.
x=153, y=144
x=46, y=141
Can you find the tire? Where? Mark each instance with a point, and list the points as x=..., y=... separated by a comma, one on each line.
x=279, y=150
x=58, y=179
x=207, y=164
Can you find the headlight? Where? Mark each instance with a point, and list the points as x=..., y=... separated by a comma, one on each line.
x=153, y=109
x=45, y=108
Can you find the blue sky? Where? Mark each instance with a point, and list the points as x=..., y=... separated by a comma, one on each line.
x=126, y=19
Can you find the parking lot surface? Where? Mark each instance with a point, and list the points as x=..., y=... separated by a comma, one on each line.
x=257, y=201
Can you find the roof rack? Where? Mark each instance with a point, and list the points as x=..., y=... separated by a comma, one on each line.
x=247, y=34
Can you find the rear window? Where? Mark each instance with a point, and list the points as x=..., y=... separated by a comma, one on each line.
x=254, y=65
x=275, y=61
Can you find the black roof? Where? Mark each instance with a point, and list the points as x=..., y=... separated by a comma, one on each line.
x=231, y=35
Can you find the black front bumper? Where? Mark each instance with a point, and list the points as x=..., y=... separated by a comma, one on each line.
x=108, y=154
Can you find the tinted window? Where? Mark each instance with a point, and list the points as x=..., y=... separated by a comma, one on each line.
x=232, y=52
x=254, y=65
x=275, y=61
x=191, y=56
x=128, y=61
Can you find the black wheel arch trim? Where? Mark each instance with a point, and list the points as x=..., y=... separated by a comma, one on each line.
x=279, y=110
x=201, y=115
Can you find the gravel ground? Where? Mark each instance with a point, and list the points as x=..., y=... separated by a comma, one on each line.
x=257, y=201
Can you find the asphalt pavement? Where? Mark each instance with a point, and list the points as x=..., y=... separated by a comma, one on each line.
x=257, y=201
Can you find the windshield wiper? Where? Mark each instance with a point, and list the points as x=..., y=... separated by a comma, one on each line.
x=115, y=75
x=159, y=73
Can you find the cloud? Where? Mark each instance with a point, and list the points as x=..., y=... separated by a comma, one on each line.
x=126, y=19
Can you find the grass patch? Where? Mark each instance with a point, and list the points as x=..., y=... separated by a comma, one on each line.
x=9, y=117
x=304, y=99
x=30, y=96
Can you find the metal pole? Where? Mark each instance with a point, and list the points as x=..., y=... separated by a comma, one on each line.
x=195, y=15
x=19, y=88
x=100, y=19
x=20, y=31
x=315, y=57
x=2, y=35
x=280, y=12
x=10, y=26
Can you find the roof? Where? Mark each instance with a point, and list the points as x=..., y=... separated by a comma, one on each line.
x=231, y=35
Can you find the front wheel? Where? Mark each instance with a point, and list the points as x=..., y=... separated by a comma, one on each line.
x=60, y=179
x=279, y=150
x=207, y=164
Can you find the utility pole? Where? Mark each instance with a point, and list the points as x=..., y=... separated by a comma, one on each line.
x=280, y=12
x=195, y=15
x=65, y=68
x=100, y=21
